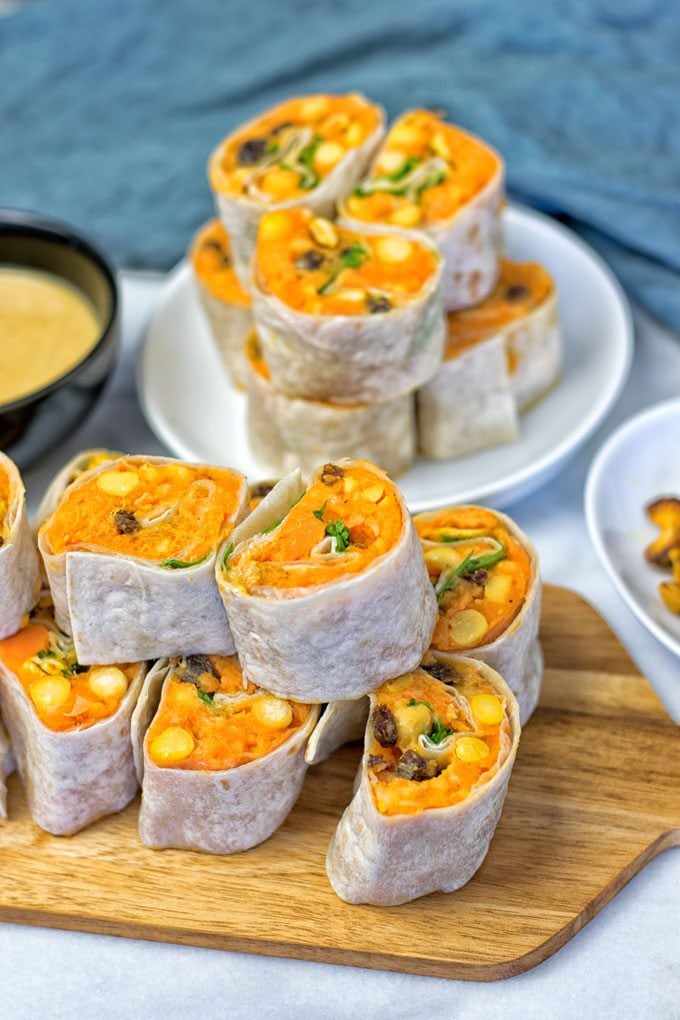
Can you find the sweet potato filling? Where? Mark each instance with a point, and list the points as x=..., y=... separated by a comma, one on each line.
x=345, y=521
x=211, y=718
x=174, y=514
x=433, y=739
x=664, y=551
x=321, y=268
x=212, y=263
x=480, y=572
x=424, y=173
x=65, y=695
x=292, y=148
x=5, y=497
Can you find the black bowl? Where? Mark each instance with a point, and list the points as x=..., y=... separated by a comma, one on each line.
x=32, y=425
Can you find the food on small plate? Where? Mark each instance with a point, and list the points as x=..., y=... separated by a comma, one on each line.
x=224, y=300
x=6, y=767
x=437, y=178
x=69, y=725
x=664, y=551
x=325, y=587
x=288, y=432
x=221, y=761
x=484, y=571
x=130, y=558
x=345, y=315
x=84, y=461
x=437, y=762
x=305, y=151
x=469, y=404
x=19, y=563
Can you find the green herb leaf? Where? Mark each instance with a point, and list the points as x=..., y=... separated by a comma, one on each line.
x=181, y=564
x=439, y=732
x=338, y=531
x=272, y=527
x=204, y=696
x=305, y=158
x=449, y=578
x=44, y=653
x=427, y=704
x=272, y=148
x=430, y=182
x=386, y=182
x=351, y=258
x=321, y=511
x=227, y=553
x=409, y=164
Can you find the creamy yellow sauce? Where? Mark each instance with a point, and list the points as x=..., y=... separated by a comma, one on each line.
x=46, y=328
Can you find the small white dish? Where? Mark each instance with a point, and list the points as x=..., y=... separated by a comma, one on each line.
x=639, y=462
x=192, y=408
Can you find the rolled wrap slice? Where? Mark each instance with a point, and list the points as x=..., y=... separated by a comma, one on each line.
x=437, y=763
x=486, y=578
x=130, y=558
x=225, y=303
x=347, y=316
x=222, y=761
x=84, y=461
x=325, y=588
x=305, y=151
x=470, y=403
x=7, y=765
x=69, y=726
x=19, y=563
x=288, y=432
x=435, y=177
x=340, y=723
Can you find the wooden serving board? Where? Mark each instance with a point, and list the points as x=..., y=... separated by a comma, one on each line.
x=595, y=794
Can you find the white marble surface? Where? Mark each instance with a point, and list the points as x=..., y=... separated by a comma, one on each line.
x=625, y=962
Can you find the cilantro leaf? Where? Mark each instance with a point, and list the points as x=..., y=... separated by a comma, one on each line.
x=449, y=578
x=305, y=158
x=181, y=564
x=350, y=258
x=338, y=531
x=272, y=527
x=227, y=553
x=427, y=704
x=204, y=696
x=321, y=511
x=439, y=732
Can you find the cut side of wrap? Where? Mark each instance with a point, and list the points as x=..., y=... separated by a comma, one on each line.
x=470, y=403
x=288, y=432
x=19, y=563
x=221, y=761
x=330, y=595
x=84, y=461
x=437, y=178
x=69, y=727
x=7, y=766
x=486, y=578
x=225, y=303
x=340, y=723
x=305, y=151
x=436, y=767
x=345, y=315
x=130, y=558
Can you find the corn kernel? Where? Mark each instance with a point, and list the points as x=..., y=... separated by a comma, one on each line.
x=406, y=216
x=442, y=558
x=393, y=249
x=323, y=232
x=172, y=745
x=279, y=183
x=118, y=483
x=107, y=682
x=50, y=693
x=353, y=294
x=327, y=155
x=467, y=628
x=487, y=709
x=498, y=587
x=272, y=712
x=439, y=146
x=390, y=161
x=412, y=720
x=274, y=226
x=354, y=134
x=471, y=749
x=374, y=493
x=313, y=107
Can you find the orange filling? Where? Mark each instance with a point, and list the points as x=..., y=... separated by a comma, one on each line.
x=65, y=696
x=5, y=496
x=292, y=148
x=521, y=287
x=478, y=599
x=173, y=513
x=320, y=268
x=424, y=173
x=432, y=743
x=211, y=259
x=345, y=521
x=211, y=718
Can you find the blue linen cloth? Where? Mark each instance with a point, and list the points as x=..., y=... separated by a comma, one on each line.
x=109, y=109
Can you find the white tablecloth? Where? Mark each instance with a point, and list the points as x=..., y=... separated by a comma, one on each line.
x=625, y=962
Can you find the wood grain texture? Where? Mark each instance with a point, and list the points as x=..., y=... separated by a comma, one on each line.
x=595, y=795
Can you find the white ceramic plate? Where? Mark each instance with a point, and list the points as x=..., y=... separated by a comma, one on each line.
x=639, y=461
x=192, y=409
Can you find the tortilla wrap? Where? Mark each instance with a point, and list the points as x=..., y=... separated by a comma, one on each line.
x=340, y=723
x=469, y=404
x=386, y=860
x=535, y=347
x=7, y=766
x=338, y=640
x=219, y=812
x=19, y=563
x=121, y=608
x=72, y=469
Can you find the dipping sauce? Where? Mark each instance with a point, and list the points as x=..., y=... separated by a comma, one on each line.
x=47, y=327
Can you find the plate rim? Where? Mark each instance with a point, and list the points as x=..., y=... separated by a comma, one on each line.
x=518, y=481
x=594, y=479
